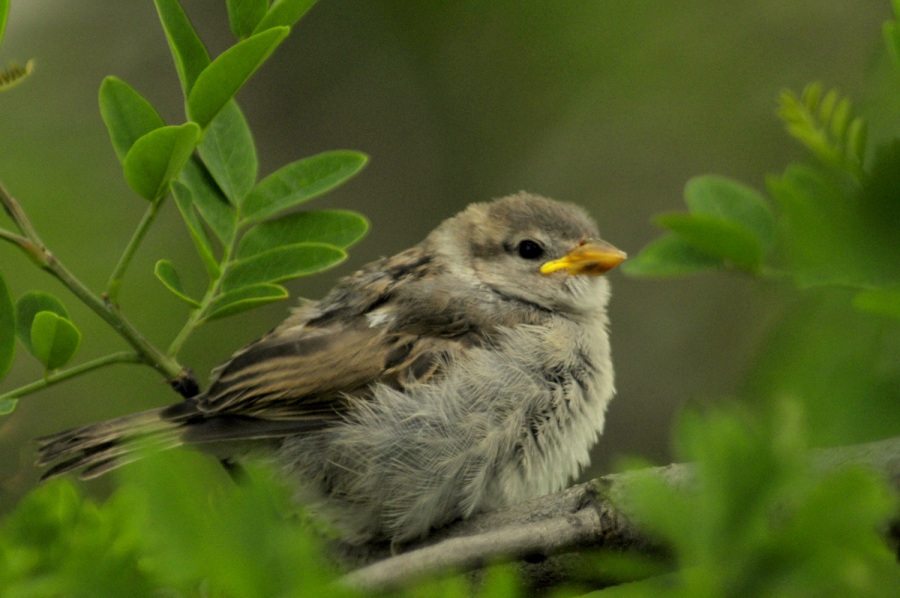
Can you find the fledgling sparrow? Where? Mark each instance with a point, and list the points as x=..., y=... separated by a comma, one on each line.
x=467, y=373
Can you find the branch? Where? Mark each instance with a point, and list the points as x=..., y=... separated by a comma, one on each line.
x=115, y=279
x=590, y=515
x=37, y=251
x=67, y=374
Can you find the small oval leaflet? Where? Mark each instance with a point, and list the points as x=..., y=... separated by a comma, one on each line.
x=54, y=339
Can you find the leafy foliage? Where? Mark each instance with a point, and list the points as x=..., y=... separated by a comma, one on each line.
x=229, y=154
x=832, y=222
x=244, y=298
x=821, y=230
x=43, y=326
x=188, y=52
x=128, y=116
x=336, y=227
x=729, y=226
x=204, y=532
x=54, y=339
x=757, y=521
x=284, y=13
x=204, y=535
x=245, y=16
x=300, y=181
x=157, y=157
x=209, y=164
x=166, y=273
x=828, y=227
x=4, y=17
x=282, y=263
x=57, y=543
x=217, y=83
x=822, y=122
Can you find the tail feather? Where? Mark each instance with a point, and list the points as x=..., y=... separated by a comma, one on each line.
x=106, y=445
x=98, y=448
x=122, y=455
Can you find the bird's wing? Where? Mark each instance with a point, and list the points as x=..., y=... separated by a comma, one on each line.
x=304, y=370
x=308, y=373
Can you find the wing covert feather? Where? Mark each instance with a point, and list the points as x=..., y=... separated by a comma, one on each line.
x=301, y=374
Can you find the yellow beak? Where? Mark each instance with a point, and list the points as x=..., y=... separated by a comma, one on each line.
x=591, y=258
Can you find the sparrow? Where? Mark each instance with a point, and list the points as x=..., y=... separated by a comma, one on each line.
x=467, y=373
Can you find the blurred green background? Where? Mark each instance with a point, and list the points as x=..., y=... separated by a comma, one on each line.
x=612, y=105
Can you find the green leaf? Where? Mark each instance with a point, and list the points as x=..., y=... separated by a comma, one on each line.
x=54, y=339
x=225, y=75
x=4, y=15
x=821, y=122
x=28, y=306
x=158, y=157
x=7, y=406
x=245, y=15
x=670, y=255
x=716, y=237
x=810, y=96
x=282, y=263
x=285, y=13
x=194, y=546
x=7, y=329
x=839, y=119
x=826, y=105
x=128, y=116
x=340, y=228
x=301, y=181
x=832, y=234
x=726, y=199
x=188, y=51
x=885, y=302
x=59, y=543
x=227, y=150
x=856, y=137
x=185, y=202
x=245, y=298
x=166, y=273
x=210, y=201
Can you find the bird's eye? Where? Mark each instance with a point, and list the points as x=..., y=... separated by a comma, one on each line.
x=530, y=250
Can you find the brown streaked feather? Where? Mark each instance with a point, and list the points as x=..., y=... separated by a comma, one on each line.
x=99, y=459
x=86, y=438
x=89, y=447
x=306, y=367
x=307, y=373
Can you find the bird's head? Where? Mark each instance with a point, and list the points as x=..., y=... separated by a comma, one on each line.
x=532, y=250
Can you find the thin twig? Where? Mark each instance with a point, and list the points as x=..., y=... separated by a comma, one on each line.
x=150, y=355
x=22, y=243
x=118, y=273
x=462, y=554
x=15, y=211
x=67, y=374
x=35, y=249
x=198, y=315
x=590, y=515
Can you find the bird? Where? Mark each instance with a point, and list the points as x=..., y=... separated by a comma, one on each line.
x=467, y=373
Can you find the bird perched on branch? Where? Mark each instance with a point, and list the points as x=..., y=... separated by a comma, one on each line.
x=467, y=373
